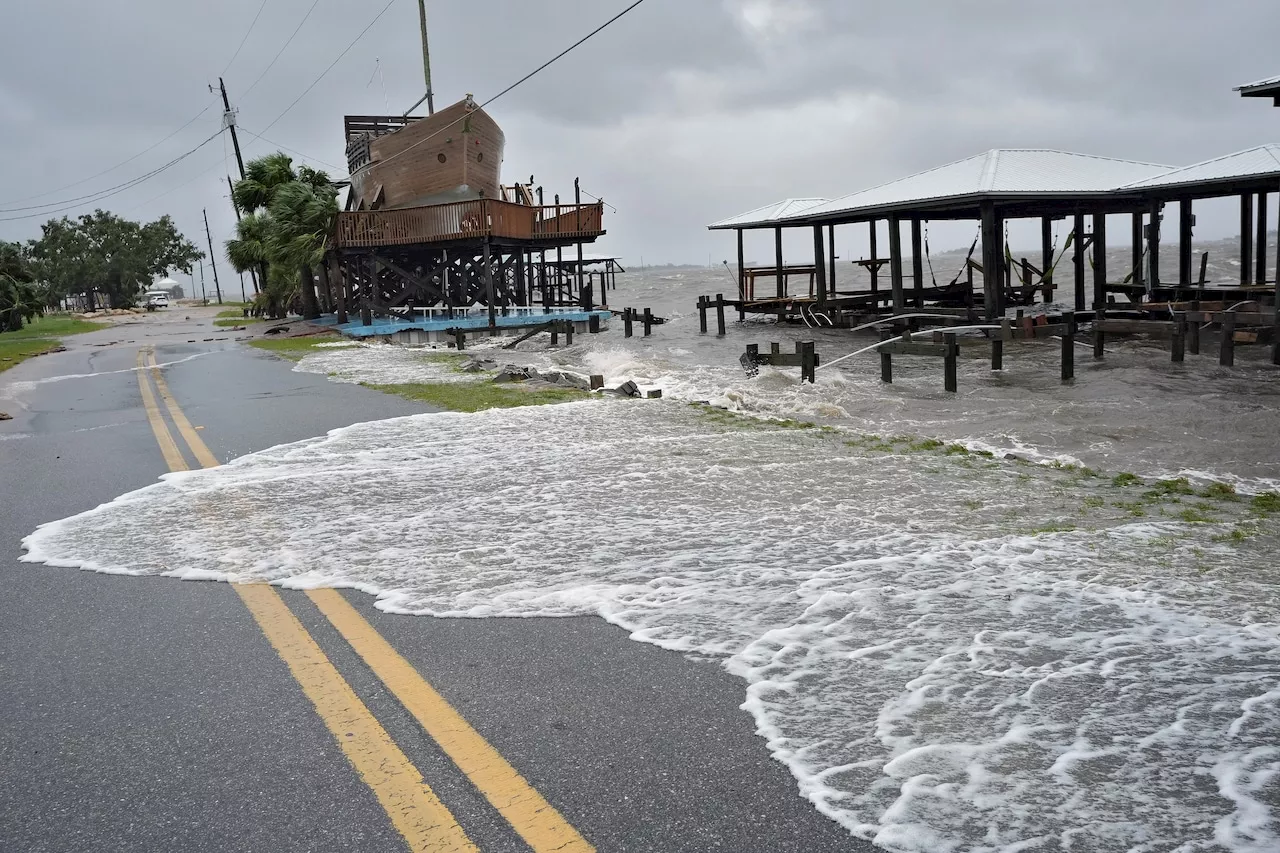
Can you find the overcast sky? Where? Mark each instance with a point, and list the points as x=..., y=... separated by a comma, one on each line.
x=683, y=112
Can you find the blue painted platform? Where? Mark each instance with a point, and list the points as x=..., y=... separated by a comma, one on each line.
x=437, y=320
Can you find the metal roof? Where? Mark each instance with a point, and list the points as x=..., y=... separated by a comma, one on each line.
x=1261, y=161
x=998, y=173
x=768, y=214
x=1260, y=88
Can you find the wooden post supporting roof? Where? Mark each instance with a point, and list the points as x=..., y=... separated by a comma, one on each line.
x=1153, y=246
x=777, y=256
x=487, y=272
x=917, y=265
x=1185, y=218
x=875, y=268
x=895, y=265
x=1078, y=257
x=742, y=279
x=991, y=262
x=1139, y=274
x=831, y=248
x=1246, y=238
x=1260, y=275
x=820, y=266
x=1099, y=260
x=1275, y=328
x=1046, y=256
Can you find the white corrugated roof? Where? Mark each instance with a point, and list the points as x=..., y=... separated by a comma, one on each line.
x=1000, y=171
x=1259, y=84
x=1260, y=161
x=768, y=213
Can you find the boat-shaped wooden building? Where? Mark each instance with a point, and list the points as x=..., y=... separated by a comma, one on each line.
x=428, y=222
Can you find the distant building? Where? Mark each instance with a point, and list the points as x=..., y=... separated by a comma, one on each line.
x=1268, y=88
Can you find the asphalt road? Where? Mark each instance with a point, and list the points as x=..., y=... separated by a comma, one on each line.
x=150, y=714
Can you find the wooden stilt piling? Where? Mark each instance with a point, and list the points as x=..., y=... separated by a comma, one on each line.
x=702, y=315
x=1099, y=335
x=720, y=330
x=886, y=360
x=1179, y=347
x=626, y=322
x=648, y=322
x=1193, y=331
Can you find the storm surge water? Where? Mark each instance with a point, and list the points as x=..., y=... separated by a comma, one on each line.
x=951, y=650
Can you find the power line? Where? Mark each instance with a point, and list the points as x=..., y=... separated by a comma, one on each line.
x=288, y=42
x=331, y=64
x=104, y=171
x=243, y=40
x=523, y=79
x=287, y=148
x=111, y=191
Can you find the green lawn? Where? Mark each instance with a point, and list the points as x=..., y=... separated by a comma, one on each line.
x=238, y=321
x=293, y=348
x=40, y=337
x=475, y=396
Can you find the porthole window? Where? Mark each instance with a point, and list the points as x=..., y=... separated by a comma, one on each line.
x=441, y=157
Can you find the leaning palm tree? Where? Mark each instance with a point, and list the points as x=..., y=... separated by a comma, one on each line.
x=302, y=216
x=248, y=251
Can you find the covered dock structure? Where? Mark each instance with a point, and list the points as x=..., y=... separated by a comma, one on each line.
x=1002, y=185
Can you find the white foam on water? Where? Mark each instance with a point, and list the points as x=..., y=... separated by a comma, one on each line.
x=381, y=364
x=936, y=675
x=14, y=390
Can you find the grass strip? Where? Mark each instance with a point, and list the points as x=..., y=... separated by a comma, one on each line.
x=293, y=348
x=477, y=396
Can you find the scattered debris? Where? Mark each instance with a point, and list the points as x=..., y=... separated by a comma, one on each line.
x=5, y=416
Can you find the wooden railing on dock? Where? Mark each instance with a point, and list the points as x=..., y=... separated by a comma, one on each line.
x=466, y=219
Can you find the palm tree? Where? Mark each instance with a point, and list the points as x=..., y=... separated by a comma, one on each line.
x=302, y=216
x=289, y=216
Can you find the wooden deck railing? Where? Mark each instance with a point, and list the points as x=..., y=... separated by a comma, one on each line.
x=465, y=219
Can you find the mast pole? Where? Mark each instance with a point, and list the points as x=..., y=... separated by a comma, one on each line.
x=426, y=56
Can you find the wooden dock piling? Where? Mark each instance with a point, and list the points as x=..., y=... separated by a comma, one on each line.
x=1099, y=335
x=720, y=331
x=1227, y=356
x=1193, y=331
x=626, y=322
x=648, y=322
x=949, y=381
x=1068, y=346
x=886, y=360
x=702, y=314
x=1179, y=347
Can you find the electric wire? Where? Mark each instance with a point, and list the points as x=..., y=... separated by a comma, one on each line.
x=282, y=49
x=93, y=198
x=240, y=47
x=151, y=147
x=526, y=77
x=259, y=136
x=336, y=60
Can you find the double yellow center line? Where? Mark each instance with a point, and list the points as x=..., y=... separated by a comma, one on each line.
x=416, y=812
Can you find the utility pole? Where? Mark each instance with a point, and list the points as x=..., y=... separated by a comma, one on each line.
x=217, y=287
x=229, y=122
x=203, y=298
x=229, y=116
x=426, y=58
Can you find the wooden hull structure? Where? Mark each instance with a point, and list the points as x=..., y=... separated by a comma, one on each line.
x=428, y=224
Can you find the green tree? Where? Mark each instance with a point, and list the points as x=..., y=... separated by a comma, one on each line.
x=20, y=299
x=289, y=215
x=102, y=251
